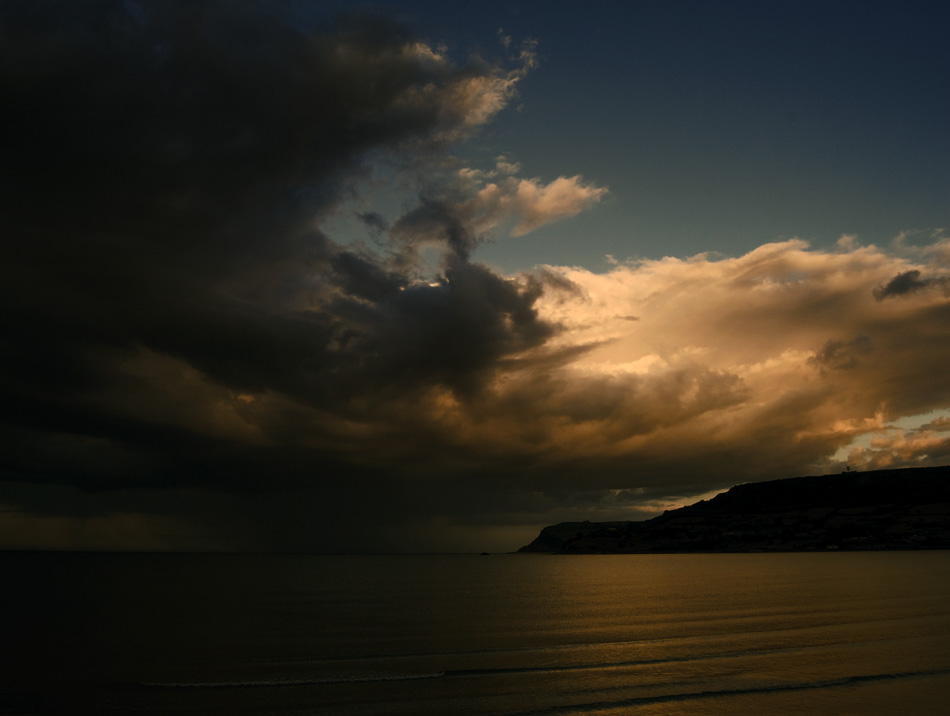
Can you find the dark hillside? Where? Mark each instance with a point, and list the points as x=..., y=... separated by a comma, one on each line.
x=884, y=509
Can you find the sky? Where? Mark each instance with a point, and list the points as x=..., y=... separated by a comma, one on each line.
x=416, y=276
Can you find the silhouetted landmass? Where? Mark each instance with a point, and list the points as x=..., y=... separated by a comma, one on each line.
x=879, y=510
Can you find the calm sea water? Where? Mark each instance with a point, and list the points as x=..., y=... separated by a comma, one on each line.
x=838, y=633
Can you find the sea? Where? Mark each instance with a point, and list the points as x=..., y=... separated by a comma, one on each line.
x=502, y=634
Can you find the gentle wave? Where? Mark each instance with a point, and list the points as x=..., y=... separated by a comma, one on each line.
x=303, y=681
x=642, y=641
x=551, y=668
x=498, y=671
x=715, y=694
x=452, y=673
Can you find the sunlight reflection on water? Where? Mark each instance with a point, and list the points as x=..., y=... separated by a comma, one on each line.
x=834, y=633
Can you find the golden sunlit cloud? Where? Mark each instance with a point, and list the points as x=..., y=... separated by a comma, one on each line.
x=791, y=327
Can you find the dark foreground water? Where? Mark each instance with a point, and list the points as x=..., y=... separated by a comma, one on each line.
x=744, y=634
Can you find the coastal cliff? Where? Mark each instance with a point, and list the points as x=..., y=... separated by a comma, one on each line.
x=879, y=510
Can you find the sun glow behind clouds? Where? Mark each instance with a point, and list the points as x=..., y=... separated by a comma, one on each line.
x=815, y=353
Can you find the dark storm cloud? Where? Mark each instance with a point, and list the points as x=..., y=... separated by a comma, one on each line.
x=559, y=284
x=449, y=332
x=909, y=282
x=435, y=221
x=166, y=165
x=842, y=355
x=374, y=222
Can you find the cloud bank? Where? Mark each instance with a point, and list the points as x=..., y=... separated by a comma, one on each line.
x=192, y=360
x=781, y=357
